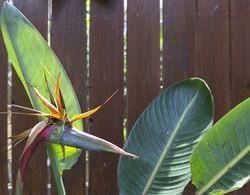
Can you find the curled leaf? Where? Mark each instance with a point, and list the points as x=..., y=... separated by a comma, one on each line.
x=36, y=135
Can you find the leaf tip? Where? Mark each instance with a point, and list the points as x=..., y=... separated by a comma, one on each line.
x=127, y=154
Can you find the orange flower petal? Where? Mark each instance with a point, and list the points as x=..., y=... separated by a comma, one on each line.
x=59, y=96
x=90, y=112
x=53, y=110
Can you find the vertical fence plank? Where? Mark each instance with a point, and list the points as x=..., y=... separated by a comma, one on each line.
x=192, y=46
x=143, y=56
x=36, y=175
x=106, y=76
x=3, y=118
x=240, y=40
x=196, y=42
x=68, y=40
x=213, y=50
x=179, y=45
x=240, y=58
x=179, y=40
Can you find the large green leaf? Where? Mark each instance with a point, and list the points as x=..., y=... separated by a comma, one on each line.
x=163, y=137
x=221, y=161
x=31, y=57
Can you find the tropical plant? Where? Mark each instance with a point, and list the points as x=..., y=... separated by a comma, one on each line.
x=57, y=129
x=173, y=137
x=32, y=57
x=164, y=137
x=221, y=161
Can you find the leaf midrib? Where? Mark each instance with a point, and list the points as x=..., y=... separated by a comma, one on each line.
x=225, y=169
x=169, y=143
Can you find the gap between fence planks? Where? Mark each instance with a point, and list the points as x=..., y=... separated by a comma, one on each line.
x=35, y=181
x=3, y=118
x=198, y=40
x=202, y=38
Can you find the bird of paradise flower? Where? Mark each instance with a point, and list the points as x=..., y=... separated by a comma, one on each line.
x=57, y=128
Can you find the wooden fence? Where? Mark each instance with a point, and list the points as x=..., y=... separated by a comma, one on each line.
x=205, y=38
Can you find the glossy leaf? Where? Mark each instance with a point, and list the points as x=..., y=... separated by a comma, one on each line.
x=31, y=56
x=221, y=161
x=163, y=138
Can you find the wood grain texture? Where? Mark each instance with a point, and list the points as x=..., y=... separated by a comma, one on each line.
x=213, y=51
x=106, y=76
x=3, y=118
x=68, y=40
x=143, y=56
x=179, y=40
x=240, y=58
x=179, y=27
x=206, y=38
x=35, y=181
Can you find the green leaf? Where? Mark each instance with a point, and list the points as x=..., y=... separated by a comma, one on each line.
x=221, y=161
x=31, y=56
x=163, y=137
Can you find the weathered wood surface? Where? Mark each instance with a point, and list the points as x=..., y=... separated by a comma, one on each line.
x=106, y=76
x=68, y=40
x=3, y=118
x=35, y=181
x=208, y=39
x=143, y=56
